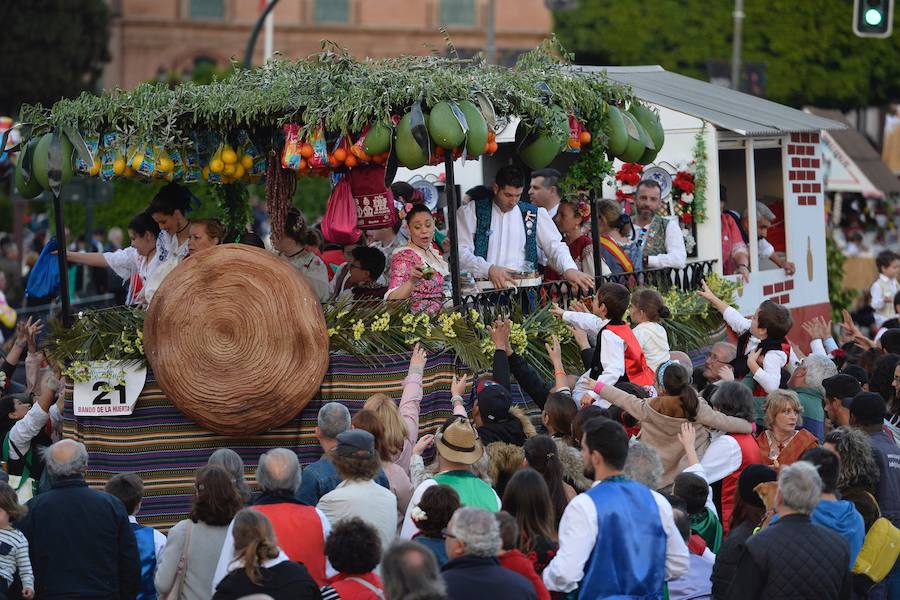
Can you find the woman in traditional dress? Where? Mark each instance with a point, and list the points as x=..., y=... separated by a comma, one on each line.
x=570, y=220
x=293, y=246
x=617, y=251
x=135, y=264
x=417, y=269
x=782, y=443
x=169, y=209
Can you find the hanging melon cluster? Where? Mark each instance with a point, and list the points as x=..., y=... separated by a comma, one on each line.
x=635, y=135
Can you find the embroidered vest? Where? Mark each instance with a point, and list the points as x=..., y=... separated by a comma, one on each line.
x=147, y=555
x=483, y=210
x=750, y=455
x=629, y=556
x=300, y=535
x=654, y=241
x=636, y=369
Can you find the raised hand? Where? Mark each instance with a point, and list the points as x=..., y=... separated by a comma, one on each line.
x=555, y=352
x=458, y=386
x=425, y=442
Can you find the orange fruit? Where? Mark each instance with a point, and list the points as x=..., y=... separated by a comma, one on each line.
x=339, y=155
x=357, y=151
x=492, y=147
x=585, y=137
x=333, y=161
x=306, y=151
x=351, y=162
x=302, y=164
x=574, y=143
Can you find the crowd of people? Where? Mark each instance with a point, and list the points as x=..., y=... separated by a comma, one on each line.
x=764, y=473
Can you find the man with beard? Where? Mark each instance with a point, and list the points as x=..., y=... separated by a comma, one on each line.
x=764, y=219
x=659, y=236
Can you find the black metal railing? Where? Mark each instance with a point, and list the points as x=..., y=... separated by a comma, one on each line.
x=563, y=293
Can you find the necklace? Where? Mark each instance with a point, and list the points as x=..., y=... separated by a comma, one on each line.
x=295, y=253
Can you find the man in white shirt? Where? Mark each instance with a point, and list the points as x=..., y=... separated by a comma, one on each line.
x=544, y=191
x=619, y=538
x=660, y=237
x=501, y=236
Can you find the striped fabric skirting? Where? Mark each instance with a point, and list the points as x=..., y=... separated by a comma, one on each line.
x=165, y=448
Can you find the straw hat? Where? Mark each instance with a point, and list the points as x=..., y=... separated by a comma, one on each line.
x=237, y=340
x=458, y=442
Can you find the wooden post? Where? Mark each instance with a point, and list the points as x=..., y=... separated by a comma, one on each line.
x=452, y=206
x=63, y=263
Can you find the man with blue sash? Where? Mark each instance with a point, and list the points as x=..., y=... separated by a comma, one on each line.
x=618, y=539
x=501, y=235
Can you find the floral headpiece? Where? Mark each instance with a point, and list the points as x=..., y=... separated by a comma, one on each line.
x=582, y=208
x=418, y=515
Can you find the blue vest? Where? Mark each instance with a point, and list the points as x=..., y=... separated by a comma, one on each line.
x=628, y=561
x=483, y=210
x=147, y=553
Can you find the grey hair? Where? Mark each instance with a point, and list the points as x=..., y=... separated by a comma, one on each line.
x=409, y=568
x=764, y=211
x=76, y=464
x=334, y=418
x=478, y=530
x=818, y=368
x=800, y=486
x=288, y=478
x=643, y=465
x=231, y=461
x=730, y=348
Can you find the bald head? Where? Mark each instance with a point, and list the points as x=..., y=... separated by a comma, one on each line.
x=278, y=472
x=66, y=458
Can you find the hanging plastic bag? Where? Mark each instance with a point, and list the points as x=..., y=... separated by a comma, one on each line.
x=339, y=222
x=43, y=281
x=374, y=202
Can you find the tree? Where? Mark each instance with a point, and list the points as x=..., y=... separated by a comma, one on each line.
x=51, y=49
x=808, y=47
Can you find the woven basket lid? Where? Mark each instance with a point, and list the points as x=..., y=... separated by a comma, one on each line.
x=237, y=340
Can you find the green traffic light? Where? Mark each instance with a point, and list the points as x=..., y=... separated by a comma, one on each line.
x=873, y=17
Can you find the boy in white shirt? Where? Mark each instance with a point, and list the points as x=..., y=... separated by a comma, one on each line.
x=885, y=287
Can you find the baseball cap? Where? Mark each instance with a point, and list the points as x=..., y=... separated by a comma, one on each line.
x=857, y=372
x=841, y=386
x=868, y=408
x=355, y=443
x=494, y=402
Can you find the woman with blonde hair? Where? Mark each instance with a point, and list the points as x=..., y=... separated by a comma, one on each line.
x=782, y=443
x=260, y=567
x=617, y=250
x=367, y=420
x=401, y=425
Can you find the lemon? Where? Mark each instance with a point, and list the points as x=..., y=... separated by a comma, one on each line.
x=247, y=162
x=229, y=156
x=205, y=173
x=137, y=162
x=239, y=171
x=216, y=165
x=95, y=168
x=165, y=164
x=118, y=166
x=228, y=169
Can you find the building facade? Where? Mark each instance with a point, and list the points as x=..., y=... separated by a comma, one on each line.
x=155, y=38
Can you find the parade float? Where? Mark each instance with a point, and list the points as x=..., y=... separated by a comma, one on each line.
x=235, y=350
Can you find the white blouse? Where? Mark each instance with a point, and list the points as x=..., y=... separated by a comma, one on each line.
x=133, y=268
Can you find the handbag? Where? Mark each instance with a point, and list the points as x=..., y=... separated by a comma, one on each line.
x=880, y=549
x=24, y=484
x=374, y=201
x=339, y=222
x=175, y=592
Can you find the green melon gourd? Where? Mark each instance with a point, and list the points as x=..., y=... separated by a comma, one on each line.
x=32, y=188
x=444, y=127
x=649, y=120
x=378, y=139
x=636, y=139
x=409, y=153
x=541, y=152
x=618, y=135
x=40, y=167
x=477, y=138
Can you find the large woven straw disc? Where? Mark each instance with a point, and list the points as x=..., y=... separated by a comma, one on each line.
x=237, y=340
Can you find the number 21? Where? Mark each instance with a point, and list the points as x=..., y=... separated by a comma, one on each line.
x=102, y=398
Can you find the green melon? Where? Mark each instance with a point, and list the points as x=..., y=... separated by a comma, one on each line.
x=636, y=139
x=378, y=139
x=618, y=135
x=649, y=120
x=409, y=153
x=541, y=152
x=444, y=128
x=40, y=162
x=477, y=138
x=32, y=188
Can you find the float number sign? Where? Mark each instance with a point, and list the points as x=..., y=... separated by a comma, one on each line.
x=113, y=389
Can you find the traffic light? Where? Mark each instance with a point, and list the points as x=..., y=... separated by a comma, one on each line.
x=873, y=18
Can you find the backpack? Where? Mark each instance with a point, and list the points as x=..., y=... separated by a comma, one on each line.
x=881, y=547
